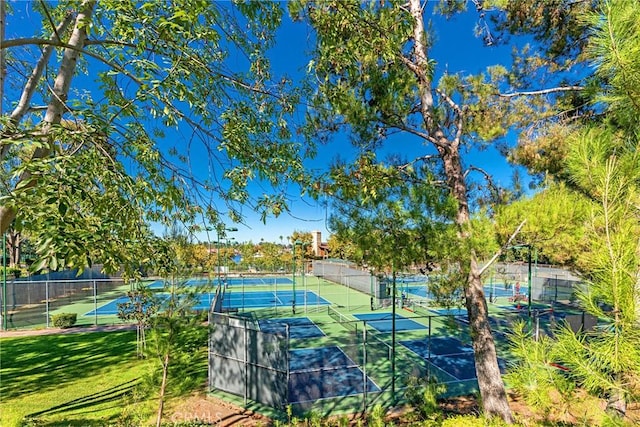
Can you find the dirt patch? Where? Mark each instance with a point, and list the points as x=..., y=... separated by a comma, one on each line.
x=214, y=411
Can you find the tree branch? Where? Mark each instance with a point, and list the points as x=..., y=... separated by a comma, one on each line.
x=32, y=82
x=459, y=115
x=502, y=249
x=53, y=116
x=542, y=91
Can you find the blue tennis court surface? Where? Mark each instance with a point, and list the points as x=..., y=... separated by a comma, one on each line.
x=233, y=300
x=450, y=311
x=320, y=373
x=420, y=291
x=299, y=327
x=448, y=354
x=230, y=282
x=437, y=346
x=383, y=322
x=461, y=366
x=111, y=308
x=261, y=299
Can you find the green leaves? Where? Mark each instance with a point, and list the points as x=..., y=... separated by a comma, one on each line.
x=388, y=213
x=160, y=95
x=536, y=374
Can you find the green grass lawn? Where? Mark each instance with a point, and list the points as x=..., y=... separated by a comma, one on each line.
x=79, y=379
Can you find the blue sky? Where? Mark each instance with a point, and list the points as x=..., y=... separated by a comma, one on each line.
x=456, y=49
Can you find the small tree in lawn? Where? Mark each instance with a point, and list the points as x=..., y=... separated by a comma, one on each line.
x=178, y=335
x=140, y=308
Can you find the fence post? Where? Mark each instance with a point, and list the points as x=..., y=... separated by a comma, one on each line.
x=318, y=298
x=288, y=364
x=95, y=303
x=304, y=284
x=46, y=297
x=364, y=368
x=246, y=363
x=429, y=341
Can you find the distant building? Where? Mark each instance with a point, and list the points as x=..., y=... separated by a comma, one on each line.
x=320, y=249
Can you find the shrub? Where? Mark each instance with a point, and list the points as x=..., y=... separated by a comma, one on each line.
x=64, y=320
x=13, y=272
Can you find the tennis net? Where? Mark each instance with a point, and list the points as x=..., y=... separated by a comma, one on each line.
x=343, y=320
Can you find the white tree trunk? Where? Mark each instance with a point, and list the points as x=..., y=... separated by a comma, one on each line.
x=57, y=103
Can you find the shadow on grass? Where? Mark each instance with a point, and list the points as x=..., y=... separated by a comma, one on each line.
x=40, y=363
x=108, y=395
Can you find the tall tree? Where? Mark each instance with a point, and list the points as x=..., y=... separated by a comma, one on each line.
x=376, y=79
x=111, y=102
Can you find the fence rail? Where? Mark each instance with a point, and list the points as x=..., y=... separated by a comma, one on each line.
x=30, y=304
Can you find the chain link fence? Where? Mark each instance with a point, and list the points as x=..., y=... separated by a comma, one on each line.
x=32, y=303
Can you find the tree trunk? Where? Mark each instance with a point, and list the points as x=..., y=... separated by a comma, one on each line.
x=14, y=243
x=163, y=387
x=492, y=391
x=490, y=383
x=56, y=106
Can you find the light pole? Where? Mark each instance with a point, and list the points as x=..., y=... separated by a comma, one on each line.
x=227, y=257
x=221, y=231
x=293, y=302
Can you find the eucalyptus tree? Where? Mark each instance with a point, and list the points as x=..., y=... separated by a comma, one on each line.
x=117, y=114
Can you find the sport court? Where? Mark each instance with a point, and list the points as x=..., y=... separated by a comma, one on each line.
x=493, y=291
x=383, y=322
x=234, y=301
x=448, y=354
x=324, y=372
x=299, y=327
x=229, y=282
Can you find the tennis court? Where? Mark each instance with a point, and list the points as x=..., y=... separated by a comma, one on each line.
x=449, y=355
x=299, y=327
x=230, y=282
x=383, y=322
x=263, y=299
x=449, y=311
x=324, y=372
x=233, y=301
x=111, y=308
x=497, y=290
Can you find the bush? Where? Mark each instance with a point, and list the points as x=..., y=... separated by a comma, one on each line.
x=13, y=272
x=64, y=320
